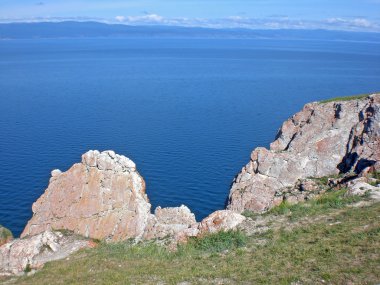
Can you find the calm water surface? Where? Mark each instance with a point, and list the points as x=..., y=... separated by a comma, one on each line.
x=188, y=112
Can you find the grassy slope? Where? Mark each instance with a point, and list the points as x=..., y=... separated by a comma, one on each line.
x=340, y=246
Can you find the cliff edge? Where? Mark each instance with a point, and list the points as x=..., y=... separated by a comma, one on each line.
x=323, y=139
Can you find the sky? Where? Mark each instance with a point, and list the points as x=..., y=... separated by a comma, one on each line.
x=356, y=15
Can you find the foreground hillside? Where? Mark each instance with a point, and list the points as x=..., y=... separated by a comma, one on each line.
x=334, y=239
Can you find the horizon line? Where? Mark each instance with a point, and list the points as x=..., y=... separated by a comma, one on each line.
x=151, y=25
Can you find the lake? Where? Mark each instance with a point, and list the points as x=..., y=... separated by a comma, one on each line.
x=187, y=111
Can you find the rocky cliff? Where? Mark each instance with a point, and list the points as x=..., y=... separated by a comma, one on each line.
x=323, y=139
x=103, y=197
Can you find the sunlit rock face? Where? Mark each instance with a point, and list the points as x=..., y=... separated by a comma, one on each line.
x=101, y=197
x=323, y=139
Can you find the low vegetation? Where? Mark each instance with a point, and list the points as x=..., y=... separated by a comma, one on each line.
x=5, y=233
x=342, y=246
x=376, y=179
x=332, y=199
x=345, y=98
x=215, y=243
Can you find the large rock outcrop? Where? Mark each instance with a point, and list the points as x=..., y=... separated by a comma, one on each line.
x=102, y=197
x=321, y=140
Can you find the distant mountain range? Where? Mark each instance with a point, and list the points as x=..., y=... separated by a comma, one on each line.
x=71, y=29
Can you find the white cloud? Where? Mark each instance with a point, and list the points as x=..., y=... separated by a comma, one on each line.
x=352, y=23
x=120, y=18
x=149, y=18
x=362, y=23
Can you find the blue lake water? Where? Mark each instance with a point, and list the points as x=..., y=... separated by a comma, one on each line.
x=188, y=112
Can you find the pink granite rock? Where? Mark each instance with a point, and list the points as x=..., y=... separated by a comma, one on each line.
x=222, y=220
x=323, y=139
x=102, y=197
x=168, y=222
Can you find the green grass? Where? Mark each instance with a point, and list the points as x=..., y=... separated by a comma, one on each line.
x=376, y=177
x=346, y=98
x=341, y=248
x=325, y=179
x=250, y=214
x=332, y=199
x=216, y=243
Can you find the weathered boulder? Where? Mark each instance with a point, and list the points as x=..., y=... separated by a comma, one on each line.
x=360, y=187
x=22, y=255
x=321, y=140
x=102, y=197
x=222, y=220
x=168, y=222
x=5, y=235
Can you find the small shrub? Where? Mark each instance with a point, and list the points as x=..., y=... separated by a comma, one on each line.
x=27, y=268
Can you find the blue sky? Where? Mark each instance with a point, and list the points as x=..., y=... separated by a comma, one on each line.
x=363, y=15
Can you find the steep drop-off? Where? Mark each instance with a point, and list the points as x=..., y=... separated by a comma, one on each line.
x=323, y=139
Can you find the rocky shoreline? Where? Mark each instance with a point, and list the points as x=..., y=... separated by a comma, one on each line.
x=103, y=197
x=324, y=139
